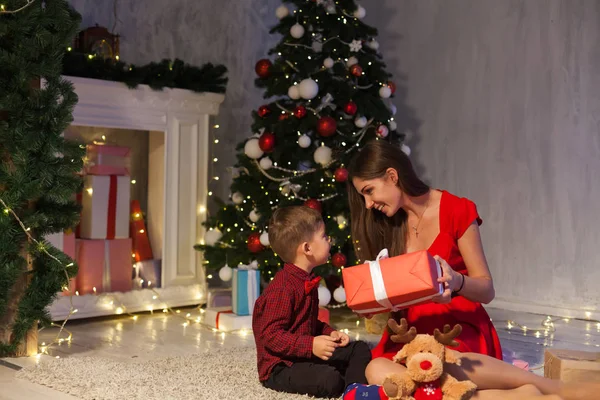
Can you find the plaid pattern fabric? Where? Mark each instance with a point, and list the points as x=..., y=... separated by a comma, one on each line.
x=285, y=320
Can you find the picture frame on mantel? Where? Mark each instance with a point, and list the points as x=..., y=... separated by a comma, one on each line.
x=178, y=124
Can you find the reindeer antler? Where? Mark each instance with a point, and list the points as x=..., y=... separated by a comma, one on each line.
x=447, y=338
x=401, y=332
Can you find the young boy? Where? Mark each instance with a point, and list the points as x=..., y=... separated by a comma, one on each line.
x=296, y=352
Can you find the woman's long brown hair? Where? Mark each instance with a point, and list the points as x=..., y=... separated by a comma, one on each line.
x=372, y=230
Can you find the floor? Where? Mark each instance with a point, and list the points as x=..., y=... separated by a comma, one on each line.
x=523, y=337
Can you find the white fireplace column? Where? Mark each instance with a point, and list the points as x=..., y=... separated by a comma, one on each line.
x=178, y=122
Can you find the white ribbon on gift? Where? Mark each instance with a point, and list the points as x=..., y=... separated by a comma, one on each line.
x=377, y=279
x=106, y=269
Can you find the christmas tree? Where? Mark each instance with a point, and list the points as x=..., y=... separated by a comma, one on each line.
x=330, y=93
x=38, y=166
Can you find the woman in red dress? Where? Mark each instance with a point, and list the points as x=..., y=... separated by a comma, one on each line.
x=392, y=208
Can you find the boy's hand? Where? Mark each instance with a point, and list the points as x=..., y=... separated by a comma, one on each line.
x=324, y=346
x=340, y=338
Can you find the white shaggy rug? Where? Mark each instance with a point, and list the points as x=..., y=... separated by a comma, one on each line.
x=217, y=374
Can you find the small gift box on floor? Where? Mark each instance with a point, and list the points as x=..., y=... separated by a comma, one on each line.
x=245, y=290
x=65, y=242
x=105, y=207
x=103, y=159
x=224, y=319
x=389, y=284
x=572, y=365
x=148, y=273
x=104, y=265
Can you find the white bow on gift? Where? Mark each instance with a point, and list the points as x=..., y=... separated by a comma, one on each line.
x=251, y=266
x=377, y=279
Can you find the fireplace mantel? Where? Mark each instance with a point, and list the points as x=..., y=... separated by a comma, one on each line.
x=178, y=125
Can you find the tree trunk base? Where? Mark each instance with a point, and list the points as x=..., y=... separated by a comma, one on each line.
x=29, y=346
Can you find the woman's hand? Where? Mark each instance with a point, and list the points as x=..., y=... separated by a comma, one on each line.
x=450, y=279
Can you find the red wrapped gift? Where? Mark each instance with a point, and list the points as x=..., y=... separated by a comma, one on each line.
x=323, y=315
x=104, y=265
x=391, y=284
x=102, y=159
x=139, y=234
x=105, y=207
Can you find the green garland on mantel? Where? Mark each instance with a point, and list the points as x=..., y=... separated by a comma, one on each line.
x=157, y=75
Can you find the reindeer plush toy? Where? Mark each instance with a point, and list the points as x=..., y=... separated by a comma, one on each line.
x=425, y=356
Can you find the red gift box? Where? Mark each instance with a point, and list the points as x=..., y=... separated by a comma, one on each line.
x=104, y=265
x=391, y=284
x=105, y=207
x=139, y=234
x=102, y=159
x=323, y=315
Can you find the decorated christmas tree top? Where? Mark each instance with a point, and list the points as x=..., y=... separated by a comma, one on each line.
x=329, y=94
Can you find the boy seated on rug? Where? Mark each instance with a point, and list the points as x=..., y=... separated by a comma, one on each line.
x=296, y=352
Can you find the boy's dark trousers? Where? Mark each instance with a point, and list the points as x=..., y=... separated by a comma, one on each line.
x=320, y=378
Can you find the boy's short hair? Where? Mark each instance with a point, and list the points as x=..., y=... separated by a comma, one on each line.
x=290, y=226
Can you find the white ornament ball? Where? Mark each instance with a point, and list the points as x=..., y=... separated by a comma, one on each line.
x=360, y=122
x=324, y=296
x=393, y=109
x=237, y=198
x=282, y=12
x=339, y=295
x=297, y=31
x=393, y=125
x=382, y=131
x=351, y=61
x=323, y=155
x=264, y=239
x=254, y=216
x=360, y=12
x=212, y=236
x=317, y=47
x=304, y=141
x=266, y=163
x=328, y=62
x=252, y=149
x=293, y=92
x=226, y=273
x=308, y=89
x=331, y=9
x=374, y=44
x=405, y=149
x=341, y=220
x=385, y=92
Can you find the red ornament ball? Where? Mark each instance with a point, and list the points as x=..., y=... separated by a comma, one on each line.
x=326, y=126
x=283, y=117
x=263, y=111
x=254, y=244
x=341, y=174
x=314, y=204
x=338, y=260
x=300, y=112
x=350, y=108
x=356, y=70
x=266, y=142
x=392, y=86
x=262, y=68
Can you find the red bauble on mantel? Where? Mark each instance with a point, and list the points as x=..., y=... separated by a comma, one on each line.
x=263, y=68
x=266, y=142
x=338, y=260
x=263, y=111
x=326, y=126
x=300, y=112
x=254, y=244
x=356, y=70
x=314, y=204
x=341, y=174
x=350, y=108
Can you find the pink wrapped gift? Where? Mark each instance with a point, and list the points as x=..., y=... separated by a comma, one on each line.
x=107, y=160
x=105, y=207
x=391, y=284
x=64, y=242
x=104, y=265
x=323, y=315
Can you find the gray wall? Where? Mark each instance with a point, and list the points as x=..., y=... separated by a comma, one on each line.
x=505, y=100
